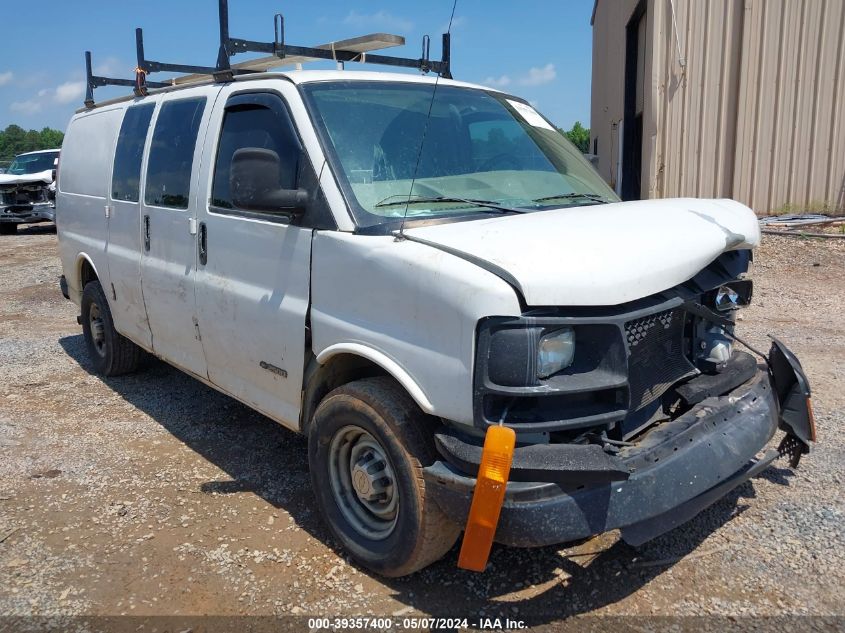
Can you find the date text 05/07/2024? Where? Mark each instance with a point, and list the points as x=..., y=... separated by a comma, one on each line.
x=415, y=623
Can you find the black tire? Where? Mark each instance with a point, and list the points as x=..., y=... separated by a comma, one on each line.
x=8, y=228
x=421, y=533
x=110, y=353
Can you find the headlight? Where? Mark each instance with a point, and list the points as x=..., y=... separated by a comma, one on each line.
x=727, y=298
x=555, y=352
x=730, y=296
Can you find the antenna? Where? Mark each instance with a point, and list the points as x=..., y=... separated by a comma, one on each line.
x=444, y=72
x=279, y=53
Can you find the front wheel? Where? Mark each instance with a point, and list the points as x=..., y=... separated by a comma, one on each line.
x=367, y=446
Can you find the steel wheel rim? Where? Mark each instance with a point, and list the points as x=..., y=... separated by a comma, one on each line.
x=363, y=483
x=98, y=329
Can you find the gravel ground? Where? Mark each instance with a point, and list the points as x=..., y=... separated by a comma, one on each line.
x=155, y=495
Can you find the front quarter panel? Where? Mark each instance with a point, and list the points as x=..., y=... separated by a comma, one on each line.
x=414, y=306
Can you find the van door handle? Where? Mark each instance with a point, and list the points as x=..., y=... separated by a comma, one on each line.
x=202, y=244
x=146, y=232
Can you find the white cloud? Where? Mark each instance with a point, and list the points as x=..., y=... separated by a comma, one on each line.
x=539, y=76
x=497, y=82
x=6, y=78
x=31, y=106
x=379, y=20
x=69, y=91
x=534, y=77
x=64, y=93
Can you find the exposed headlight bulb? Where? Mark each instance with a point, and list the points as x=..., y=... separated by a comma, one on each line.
x=727, y=299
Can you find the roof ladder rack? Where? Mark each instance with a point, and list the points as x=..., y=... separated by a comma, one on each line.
x=279, y=53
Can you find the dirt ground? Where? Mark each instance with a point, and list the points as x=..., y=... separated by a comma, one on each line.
x=152, y=494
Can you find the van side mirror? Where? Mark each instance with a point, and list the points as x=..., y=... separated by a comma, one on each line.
x=255, y=184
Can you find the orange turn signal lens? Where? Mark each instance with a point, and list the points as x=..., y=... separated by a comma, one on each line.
x=488, y=498
x=812, y=419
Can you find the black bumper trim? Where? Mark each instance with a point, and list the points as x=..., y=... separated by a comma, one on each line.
x=40, y=212
x=715, y=441
x=568, y=464
x=739, y=369
x=644, y=531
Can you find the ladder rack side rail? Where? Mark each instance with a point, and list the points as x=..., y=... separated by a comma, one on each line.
x=96, y=81
x=164, y=67
x=244, y=46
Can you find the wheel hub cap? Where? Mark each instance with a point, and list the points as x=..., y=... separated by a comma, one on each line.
x=370, y=478
x=363, y=483
x=98, y=329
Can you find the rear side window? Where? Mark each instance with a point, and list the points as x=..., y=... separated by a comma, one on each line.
x=88, y=151
x=255, y=120
x=172, y=153
x=126, y=176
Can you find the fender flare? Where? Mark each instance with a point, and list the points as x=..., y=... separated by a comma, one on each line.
x=385, y=362
x=80, y=259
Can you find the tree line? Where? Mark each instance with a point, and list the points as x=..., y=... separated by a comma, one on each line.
x=579, y=135
x=15, y=140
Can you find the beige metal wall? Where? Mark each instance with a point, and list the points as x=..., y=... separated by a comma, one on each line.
x=752, y=107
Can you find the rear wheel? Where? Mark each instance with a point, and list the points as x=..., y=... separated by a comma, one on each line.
x=367, y=446
x=8, y=228
x=110, y=353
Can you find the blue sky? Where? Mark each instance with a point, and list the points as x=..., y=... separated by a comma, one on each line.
x=537, y=49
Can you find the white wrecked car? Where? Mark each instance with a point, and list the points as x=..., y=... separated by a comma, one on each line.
x=28, y=190
x=291, y=240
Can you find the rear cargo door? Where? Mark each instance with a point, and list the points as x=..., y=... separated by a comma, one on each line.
x=168, y=228
x=124, y=242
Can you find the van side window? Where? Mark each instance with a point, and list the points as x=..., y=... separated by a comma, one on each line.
x=257, y=121
x=172, y=153
x=126, y=175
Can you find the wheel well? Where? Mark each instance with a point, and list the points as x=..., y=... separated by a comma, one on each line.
x=336, y=372
x=86, y=274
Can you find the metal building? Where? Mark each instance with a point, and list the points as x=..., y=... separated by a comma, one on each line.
x=742, y=99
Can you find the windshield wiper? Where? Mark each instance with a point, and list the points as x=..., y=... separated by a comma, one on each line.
x=574, y=195
x=487, y=204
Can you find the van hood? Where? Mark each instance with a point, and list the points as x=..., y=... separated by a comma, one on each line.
x=600, y=254
x=41, y=177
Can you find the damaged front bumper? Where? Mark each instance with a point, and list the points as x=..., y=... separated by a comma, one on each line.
x=28, y=214
x=677, y=470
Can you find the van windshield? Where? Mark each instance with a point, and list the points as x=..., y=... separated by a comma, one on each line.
x=482, y=152
x=33, y=163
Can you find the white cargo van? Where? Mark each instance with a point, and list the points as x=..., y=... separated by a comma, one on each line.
x=391, y=270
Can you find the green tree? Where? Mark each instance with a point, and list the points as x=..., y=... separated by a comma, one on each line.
x=51, y=138
x=15, y=140
x=579, y=135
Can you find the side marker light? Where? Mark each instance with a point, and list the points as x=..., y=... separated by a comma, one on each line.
x=488, y=497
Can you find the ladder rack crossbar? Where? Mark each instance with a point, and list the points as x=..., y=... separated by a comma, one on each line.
x=355, y=50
